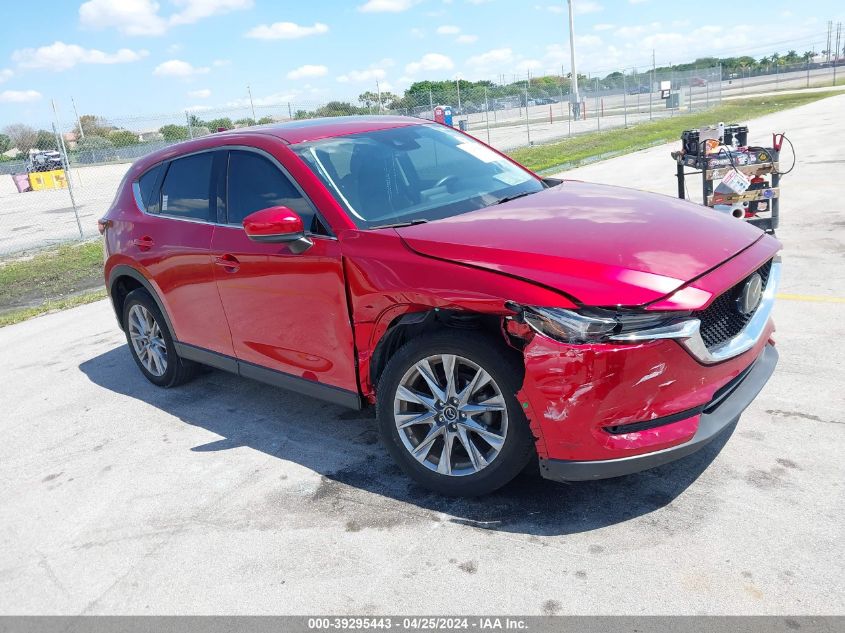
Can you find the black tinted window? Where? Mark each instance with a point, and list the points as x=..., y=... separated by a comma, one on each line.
x=255, y=183
x=149, y=190
x=185, y=192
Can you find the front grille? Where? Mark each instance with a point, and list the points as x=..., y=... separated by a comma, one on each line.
x=721, y=320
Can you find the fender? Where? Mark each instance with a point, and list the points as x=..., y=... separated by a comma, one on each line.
x=123, y=270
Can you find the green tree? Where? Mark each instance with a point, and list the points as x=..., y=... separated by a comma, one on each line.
x=224, y=123
x=172, y=132
x=23, y=136
x=94, y=142
x=265, y=120
x=93, y=125
x=5, y=143
x=123, y=138
x=245, y=121
x=45, y=141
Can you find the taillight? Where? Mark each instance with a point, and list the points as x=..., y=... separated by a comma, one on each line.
x=103, y=224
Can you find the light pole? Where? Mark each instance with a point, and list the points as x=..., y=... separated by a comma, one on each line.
x=576, y=101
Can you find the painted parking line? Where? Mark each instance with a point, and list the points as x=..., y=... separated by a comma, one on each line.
x=817, y=298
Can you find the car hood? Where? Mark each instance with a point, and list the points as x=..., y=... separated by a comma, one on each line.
x=601, y=245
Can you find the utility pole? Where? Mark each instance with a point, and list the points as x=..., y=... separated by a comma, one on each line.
x=829, y=31
x=836, y=52
x=79, y=121
x=66, y=165
x=573, y=90
x=651, y=88
x=251, y=105
x=458, y=84
x=378, y=95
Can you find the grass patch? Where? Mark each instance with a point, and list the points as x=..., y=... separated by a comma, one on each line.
x=643, y=135
x=52, y=279
x=16, y=315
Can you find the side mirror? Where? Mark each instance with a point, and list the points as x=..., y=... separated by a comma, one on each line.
x=277, y=225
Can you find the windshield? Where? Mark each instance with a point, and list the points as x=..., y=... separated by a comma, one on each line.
x=414, y=173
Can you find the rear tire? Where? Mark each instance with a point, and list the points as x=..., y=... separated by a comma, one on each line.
x=465, y=439
x=151, y=343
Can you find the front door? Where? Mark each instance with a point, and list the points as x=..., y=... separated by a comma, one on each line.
x=286, y=311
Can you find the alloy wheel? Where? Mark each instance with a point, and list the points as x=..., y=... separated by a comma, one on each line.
x=451, y=415
x=147, y=340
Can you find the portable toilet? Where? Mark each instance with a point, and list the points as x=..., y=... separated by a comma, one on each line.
x=443, y=114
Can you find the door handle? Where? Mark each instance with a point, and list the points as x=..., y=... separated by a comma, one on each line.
x=229, y=263
x=144, y=243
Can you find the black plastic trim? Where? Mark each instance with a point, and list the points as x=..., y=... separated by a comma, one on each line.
x=712, y=423
x=305, y=387
x=122, y=270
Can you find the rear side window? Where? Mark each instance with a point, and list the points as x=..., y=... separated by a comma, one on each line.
x=148, y=184
x=255, y=183
x=186, y=187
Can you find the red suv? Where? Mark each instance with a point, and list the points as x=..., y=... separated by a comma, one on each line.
x=490, y=315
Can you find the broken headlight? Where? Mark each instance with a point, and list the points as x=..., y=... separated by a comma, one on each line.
x=597, y=325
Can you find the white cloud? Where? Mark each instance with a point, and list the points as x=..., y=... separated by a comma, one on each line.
x=286, y=31
x=583, y=7
x=553, y=8
x=497, y=56
x=448, y=29
x=130, y=17
x=603, y=27
x=219, y=63
x=5, y=74
x=194, y=10
x=142, y=17
x=637, y=1
x=466, y=39
x=430, y=62
x=60, y=56
x=358, y=76
x=417, y=33
x=308, y=70
x=19, y=96
x=179, y=68
x=587, y=40
x=386, y=6
x=203, y=93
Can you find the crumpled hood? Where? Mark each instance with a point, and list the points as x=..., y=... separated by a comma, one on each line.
x=602, y=245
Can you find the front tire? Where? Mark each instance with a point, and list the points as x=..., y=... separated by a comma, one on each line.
x=151, y=343
x=448, y=413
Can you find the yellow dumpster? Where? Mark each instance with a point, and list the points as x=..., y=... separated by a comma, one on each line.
x=55, y=179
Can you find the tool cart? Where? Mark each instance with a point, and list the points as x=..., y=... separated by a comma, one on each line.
x=738, y=179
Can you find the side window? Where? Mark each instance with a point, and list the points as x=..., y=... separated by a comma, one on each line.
x=148, y=184
x=185, y=191
x=255, y=183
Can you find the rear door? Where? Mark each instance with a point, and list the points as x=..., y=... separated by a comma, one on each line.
x=172, y=240
x=287, y=312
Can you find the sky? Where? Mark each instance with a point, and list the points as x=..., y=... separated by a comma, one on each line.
x=141, y=58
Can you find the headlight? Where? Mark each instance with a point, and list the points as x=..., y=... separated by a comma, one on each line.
x=596, y=325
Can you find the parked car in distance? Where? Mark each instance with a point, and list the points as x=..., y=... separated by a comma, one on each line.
x=491, y=316
x=697, y=82
x=48, y=160
x=638, y=90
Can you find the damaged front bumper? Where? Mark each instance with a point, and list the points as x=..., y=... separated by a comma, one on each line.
x=713, y=418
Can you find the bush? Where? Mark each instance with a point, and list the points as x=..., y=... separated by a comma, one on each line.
x=123, y=138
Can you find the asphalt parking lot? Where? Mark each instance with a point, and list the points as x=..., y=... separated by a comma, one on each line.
x=226, y=496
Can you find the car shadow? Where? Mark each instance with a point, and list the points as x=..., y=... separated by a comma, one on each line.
x=342, y=446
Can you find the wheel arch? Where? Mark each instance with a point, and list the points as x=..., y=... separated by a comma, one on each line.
x=402, y=328
x=124, y=279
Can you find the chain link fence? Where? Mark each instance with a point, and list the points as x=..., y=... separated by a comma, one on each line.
x=506, y=116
